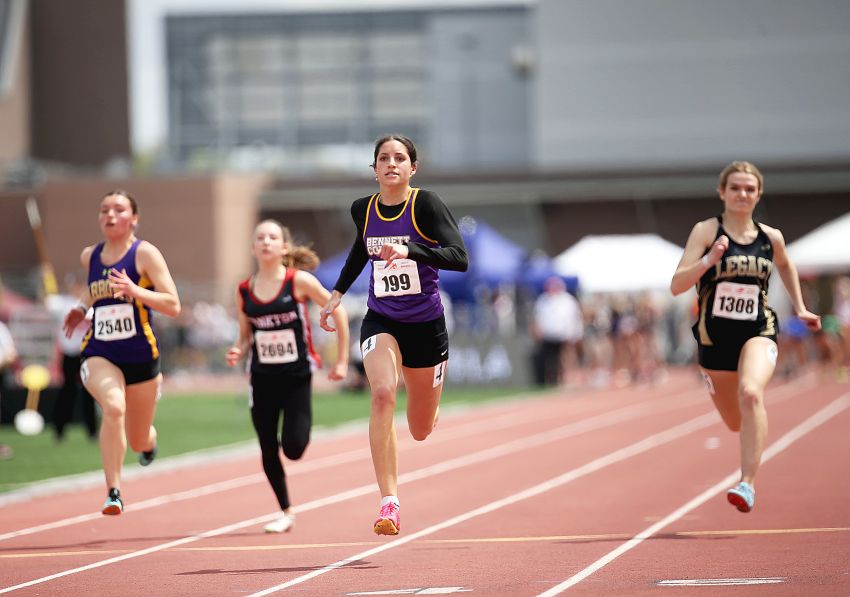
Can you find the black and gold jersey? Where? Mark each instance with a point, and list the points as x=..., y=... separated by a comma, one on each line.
x=732, y=295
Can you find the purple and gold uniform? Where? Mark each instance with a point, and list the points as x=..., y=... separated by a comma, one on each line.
x=122, y=330
x=404, y=299
x=405, y=291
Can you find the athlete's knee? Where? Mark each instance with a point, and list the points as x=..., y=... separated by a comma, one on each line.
x=420, y=432
x=383, y=396
x=750, y=396
x=138, y=443
x=733, y=425
x=113, y=408
x=294, y=450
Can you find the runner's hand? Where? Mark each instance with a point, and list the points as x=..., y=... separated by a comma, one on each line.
x=74, y=317
x=122, y=285
x=811, y=320
x=328, y=310
x=234, y=353
x=392, y=251
x=338, y=371
x=715, y=253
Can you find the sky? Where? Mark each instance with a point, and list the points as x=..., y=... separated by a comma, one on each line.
x=146, y=48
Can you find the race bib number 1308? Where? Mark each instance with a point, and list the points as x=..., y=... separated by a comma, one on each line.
x=736, y=301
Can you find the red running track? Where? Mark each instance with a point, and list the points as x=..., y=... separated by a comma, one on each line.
x=587, y=492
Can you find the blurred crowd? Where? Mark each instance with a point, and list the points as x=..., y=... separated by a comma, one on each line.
x=605, y=340
x=619, y=339
x=566, y=338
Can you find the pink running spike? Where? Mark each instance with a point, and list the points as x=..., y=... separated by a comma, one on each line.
x=388, y=520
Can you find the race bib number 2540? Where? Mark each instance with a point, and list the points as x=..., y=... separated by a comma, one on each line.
x=114, y=322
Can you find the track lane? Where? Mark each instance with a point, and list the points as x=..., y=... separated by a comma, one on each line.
x=203, y=561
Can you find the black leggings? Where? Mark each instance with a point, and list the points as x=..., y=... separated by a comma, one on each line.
x=271, y=394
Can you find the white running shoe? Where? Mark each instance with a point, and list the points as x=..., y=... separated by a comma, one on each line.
x=281, y=525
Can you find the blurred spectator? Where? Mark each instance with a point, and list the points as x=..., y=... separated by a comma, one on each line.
x=841, y=309
x=212, y=330
x=829, y=346
x=504, y=311
x=625, y=341
x=793, y=341
x=8, y=355
x=646, y=351
x=72, y=387
x=556, y=326
x=596, y=341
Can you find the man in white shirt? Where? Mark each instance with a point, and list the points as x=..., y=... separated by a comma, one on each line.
x=72, y=388
x=8, y=355
x=557, y=323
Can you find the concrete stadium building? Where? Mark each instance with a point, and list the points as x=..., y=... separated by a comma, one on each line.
x=550, y=119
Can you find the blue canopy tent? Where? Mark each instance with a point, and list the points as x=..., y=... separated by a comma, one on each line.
x=539, y=268
x=493, y=260
x=328, y=272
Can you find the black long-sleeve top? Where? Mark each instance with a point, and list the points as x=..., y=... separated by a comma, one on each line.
x=434, y=220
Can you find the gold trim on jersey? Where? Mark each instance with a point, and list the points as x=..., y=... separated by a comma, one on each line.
x=368, y=211
x=704, y=338
x=406, y=203
x=413, y=218
x=144, y=319
x=86, y=339
x=770, y=316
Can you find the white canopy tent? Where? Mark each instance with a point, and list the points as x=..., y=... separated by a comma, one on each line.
x=824, y=250
x=620, y=263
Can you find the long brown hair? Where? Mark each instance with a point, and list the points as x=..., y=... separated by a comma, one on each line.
x=298, y=256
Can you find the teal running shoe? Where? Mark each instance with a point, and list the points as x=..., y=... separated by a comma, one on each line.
x=742, y=496
x=145, y=458
x=113, y=504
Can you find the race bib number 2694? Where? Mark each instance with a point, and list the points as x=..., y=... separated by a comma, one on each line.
x=276, y=347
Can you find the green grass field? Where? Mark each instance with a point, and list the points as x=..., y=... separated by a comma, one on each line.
x=185, y=424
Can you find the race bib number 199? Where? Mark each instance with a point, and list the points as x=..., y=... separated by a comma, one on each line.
x=399, y=278
x=736, y=301
x=276, y=347
x=114, y=322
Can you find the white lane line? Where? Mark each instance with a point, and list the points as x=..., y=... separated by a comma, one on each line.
x=566, y=431
x=720, y=582
x=817, y=419
x=614, y=457
x=501, y=421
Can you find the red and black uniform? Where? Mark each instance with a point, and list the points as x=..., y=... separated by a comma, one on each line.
x=282, y=360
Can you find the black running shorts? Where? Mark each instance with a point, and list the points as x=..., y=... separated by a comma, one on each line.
x=422, y=344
